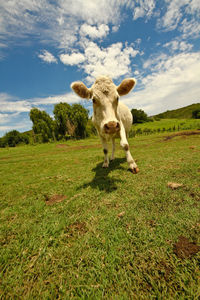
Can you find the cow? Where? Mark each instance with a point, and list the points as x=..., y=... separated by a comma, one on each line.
x=111, y=118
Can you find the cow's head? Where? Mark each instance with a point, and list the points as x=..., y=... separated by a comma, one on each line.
x=105, y=95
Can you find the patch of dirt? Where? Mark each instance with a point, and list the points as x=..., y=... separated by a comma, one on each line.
x=182, y=133
x=4, y=158
x=77, y=228
x=174, y=185
x=78, y=147
x=121, y=214
x=61, y=146
x=54, y=199
x=184, y=248
x=151, y=223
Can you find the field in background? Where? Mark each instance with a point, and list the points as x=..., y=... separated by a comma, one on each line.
x=163, y=125
x=72, y=229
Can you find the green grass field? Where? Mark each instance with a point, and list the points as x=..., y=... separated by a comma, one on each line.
x=70, y=229
x=163, y=125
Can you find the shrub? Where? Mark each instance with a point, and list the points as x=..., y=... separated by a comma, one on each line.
x=13, y=138
x=196, y=114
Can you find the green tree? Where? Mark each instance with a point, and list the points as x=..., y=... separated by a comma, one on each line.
x=12, y=138
x=71, y=120
x=43, y=124
x=196, y=114
x=79, y=117
x=62, y=113
x=139, y=116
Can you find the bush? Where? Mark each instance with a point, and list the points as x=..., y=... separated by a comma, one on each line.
x=196, y=114
x=13, y=138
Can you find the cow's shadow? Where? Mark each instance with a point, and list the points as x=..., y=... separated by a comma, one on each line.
x=102, y=181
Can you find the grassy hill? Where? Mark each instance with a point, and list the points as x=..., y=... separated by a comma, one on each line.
x=180, y=113
x=72, y=230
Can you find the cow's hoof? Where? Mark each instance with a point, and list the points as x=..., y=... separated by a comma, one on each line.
x=105, y=165
x=135, y=170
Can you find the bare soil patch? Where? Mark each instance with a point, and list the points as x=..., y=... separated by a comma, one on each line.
x=182, y=133
x=61, y=146
x=76, y=228
x=78, y=147
x=51, y=200
x=184, y=248
x=174, y=185
x=5, y=158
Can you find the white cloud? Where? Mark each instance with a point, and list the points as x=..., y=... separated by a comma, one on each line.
x=115, y=28
x=114, y=60
x=190, y=29
x=144, y=8
x=57, y=22
x=155, y=62
x=175, y=45
x=4, y=118
x=47, y=57
x=193, y=7
x=94, y=32
x=10, y=104
x=68, y=98
x=72, y=59
x=182, y=14
x=174, y=84
x=173, y=14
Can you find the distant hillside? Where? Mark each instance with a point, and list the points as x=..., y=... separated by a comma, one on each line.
x=180, y=113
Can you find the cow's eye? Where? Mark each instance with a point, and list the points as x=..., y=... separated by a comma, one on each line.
x=117, y=98
x=93, y=100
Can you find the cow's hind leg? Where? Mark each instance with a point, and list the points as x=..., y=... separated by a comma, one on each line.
x=105, y=151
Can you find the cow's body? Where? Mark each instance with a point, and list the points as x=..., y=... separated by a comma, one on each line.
x=111, y=119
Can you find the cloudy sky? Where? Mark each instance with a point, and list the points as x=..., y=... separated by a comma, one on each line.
x=45, y=45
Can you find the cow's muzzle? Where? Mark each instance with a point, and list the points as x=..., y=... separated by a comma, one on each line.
x=111, y=127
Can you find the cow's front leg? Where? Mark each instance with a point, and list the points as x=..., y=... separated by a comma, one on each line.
x=124, y=144
x=105, y=151
x=113, y=149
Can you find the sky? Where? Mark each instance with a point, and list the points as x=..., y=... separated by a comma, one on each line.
x=45, y=45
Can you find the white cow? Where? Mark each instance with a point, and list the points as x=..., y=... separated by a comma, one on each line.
x=111, y=118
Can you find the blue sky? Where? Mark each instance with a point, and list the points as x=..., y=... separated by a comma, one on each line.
x=45, y=45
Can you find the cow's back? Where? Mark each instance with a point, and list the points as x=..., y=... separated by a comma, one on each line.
x=125, y=116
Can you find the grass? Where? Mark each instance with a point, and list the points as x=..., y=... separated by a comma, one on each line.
x=113, y=235
x=165, y=125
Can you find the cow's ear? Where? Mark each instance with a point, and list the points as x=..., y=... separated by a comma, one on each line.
x=81, y=90
x=126, y=86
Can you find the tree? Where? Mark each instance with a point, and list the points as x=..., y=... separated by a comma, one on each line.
x=71, y=120
x=43, y=124
x=62, y=113
x=79, y=117
x=196, y=114
x=13, y=138
x=139, y=116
